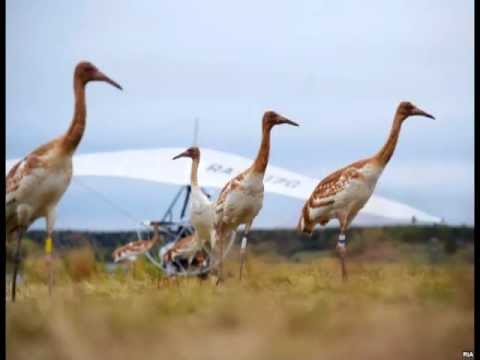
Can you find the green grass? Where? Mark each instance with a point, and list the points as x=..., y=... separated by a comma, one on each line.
x=396, y=309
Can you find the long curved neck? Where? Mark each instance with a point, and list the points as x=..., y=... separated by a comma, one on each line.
x=194, y=173
x=386, y=152
x=74, y=134
x=261, y=161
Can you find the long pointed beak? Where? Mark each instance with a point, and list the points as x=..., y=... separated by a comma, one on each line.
x=183, y=154
x=102, y=77
x=287, y=121
x=420, y=112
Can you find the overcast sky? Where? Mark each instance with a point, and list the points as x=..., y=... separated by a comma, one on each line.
x=339, y=68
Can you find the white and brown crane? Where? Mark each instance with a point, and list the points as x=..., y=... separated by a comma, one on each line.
x=343, y=193
x=202, y=214
x=131, y=251
x=241, y=199
x=186, y=248
x=35, y=185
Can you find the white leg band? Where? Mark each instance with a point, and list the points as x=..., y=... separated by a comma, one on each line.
x=244, y=243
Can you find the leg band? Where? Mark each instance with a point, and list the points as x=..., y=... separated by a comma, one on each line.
x=244, y=243
x=48, y=245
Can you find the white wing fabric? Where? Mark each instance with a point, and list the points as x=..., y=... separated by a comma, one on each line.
x=216, y=168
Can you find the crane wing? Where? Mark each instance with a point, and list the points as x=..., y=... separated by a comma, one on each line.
x=23, y=173
x=227, y=189
x=334, y=183
x=20, y=181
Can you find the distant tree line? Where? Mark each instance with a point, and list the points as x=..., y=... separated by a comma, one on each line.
x=281, y=241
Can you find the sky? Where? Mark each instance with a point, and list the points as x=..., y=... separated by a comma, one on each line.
x=339, y=68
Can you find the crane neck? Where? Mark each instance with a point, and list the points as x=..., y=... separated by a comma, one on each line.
x=74, y=134
x=387, y=150
x=194, y=172
x=261, y=161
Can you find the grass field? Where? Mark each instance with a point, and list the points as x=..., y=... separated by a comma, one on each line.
x=396, y=309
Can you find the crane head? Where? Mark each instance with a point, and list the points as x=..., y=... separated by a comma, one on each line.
x=271, y=118
x=87, y=72
x=406, y=108
x=192, y=152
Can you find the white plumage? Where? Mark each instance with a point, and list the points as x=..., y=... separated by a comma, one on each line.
x=202, y=214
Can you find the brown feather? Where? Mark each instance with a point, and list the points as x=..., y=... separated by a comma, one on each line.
x=332, y=184
x=18, y=172
x=229, y=186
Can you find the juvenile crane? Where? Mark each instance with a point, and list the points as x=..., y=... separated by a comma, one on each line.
x=343, y=193
x=241, y=199
x=202, y=215
x=134, y=249
x=186, y=248
x=35, y=185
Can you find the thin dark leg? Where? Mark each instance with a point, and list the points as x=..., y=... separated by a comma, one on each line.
x=50, y=221
x=220, y=265
x=16, y=263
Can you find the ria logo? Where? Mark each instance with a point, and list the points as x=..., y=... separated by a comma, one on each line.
x=467, y=355
x=218, y=168
x=275, y=180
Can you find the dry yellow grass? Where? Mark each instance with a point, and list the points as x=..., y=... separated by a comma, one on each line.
x=279, y=311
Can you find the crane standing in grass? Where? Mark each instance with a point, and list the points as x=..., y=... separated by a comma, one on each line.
x=133, y=249
x=186, y=248
x=35, y=185
x=241, y=199
x=343, y=193
x=202, y=215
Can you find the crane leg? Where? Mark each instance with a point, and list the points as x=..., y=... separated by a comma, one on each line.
x=16, y=262
x=243, y=247
x=342, y=250
x=50, y=219
x=213, y=240
x=220, y=263
x=128, y=269
x=342, y=246
x=49, y=261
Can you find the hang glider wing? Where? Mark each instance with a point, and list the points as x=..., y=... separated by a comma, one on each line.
x=216, y=168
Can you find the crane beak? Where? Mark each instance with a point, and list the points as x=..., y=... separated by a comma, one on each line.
x=284, y=120
x=183, y=154
x=420, y=112
x=102, y=77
